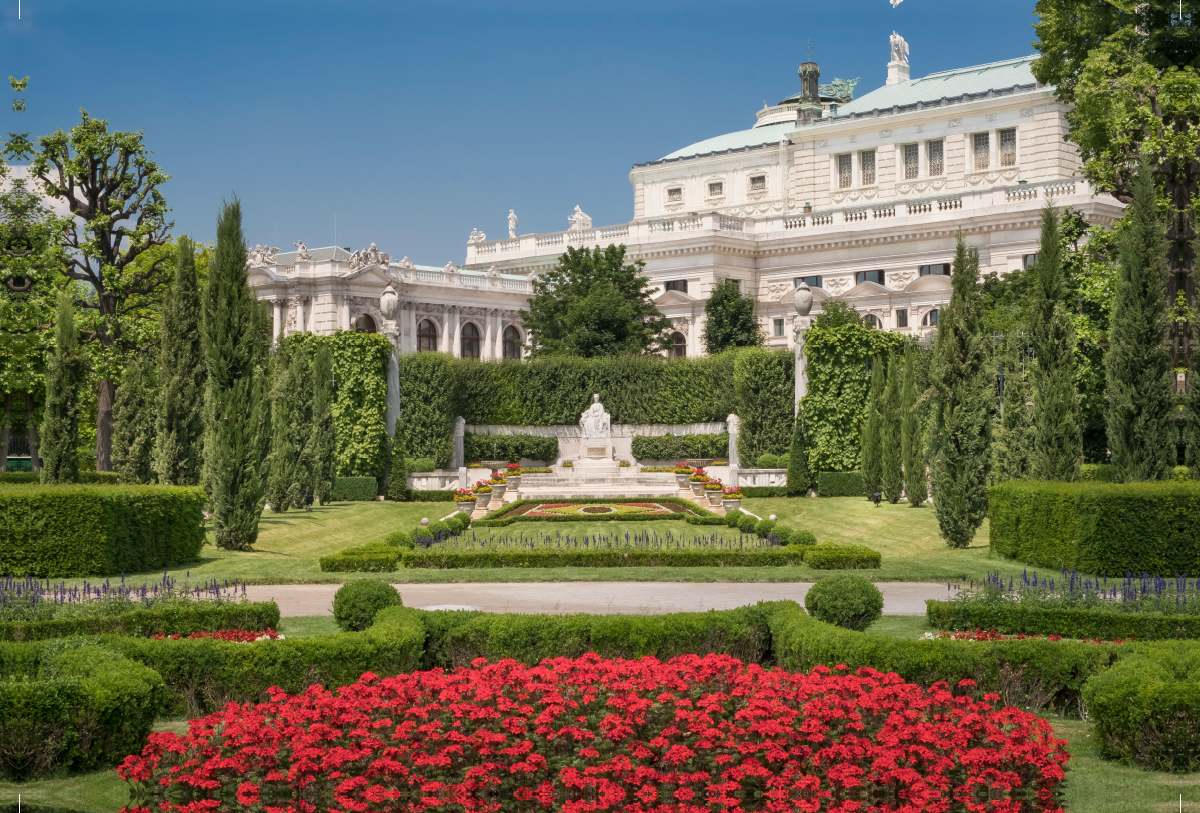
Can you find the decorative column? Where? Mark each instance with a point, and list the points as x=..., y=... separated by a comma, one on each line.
x=444, y=338
x=456, y=333
x=276, y=321
x=460, y=429
x=733, y=423
x=344, y=312
x=803, y=300
x=489, y=332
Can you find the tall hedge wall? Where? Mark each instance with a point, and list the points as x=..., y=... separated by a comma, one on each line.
x=68, y=531
x=512, y=448
x=1101, y=528
x=755, y=384
x=679, y=447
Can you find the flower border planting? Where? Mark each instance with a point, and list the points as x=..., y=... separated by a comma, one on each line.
x=589, y=510
x=688, y=512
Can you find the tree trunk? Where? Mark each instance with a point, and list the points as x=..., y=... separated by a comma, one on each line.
x=104, y=424
x=32, y=431
x=6, y=432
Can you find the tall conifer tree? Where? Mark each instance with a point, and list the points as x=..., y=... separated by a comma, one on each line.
x=1014, y=441
x=800, y=477
x=281, y=460
x=872, y=441
x=1139, y=386
x=64, y=381
x=912, y=433
x=179, y=424
x=1057, y=434
x=300, y=373
x=323, y=443
x=133, y=423
x=233, y=402
x=961, y=408
x=891, y=451
x=398, y=477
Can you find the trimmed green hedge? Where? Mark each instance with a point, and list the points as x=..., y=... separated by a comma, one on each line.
x=86, y=478
x=430, y=496
x=764, y=491
x=680, y=447
x=360, y=489
x=1012, y=618
x=69, y=705
x=617, y=557
x=701, y=516
x=455, y=638
x=841, y=484
x=176, y=618
x=1095, y=473
x=828, y=556
x=70, y=531
x=1099, y=528
x=1147, y=709
x=512, y=448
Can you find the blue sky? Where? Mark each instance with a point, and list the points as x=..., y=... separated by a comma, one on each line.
x=413, y=122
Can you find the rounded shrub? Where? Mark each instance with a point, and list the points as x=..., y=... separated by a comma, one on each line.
x=850, y=602
x=356, y=603
x=763, y=527
x=732, y=518
x=802, y=538
x=422, y=465
x=746, y=523
x=437, y=528
x=768, y=461
x=422, y=536
x=1181, y=474
x=456, y=523
x=399, y=539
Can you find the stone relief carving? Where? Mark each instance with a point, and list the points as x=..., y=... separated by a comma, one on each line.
x=931, y=185
x=682, y=324
x=853, y=139
x=920, y=128
x=855, y=194
x=363, y=258
x=450, y=271
x=885, y=133
x=260, y=256
x=1027, y=113
x=579, y=221
x=776, y=291
x=954, y=123
x=994, y=176
x=493, y=277
x=898, y=280
x=302, y=251
x=822, y=144
x=991, y=116
x=476, y=237
x=839, y=285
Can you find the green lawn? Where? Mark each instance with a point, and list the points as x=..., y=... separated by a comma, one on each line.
x=289, y=545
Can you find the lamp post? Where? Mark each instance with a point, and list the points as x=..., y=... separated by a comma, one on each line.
x=803, y=300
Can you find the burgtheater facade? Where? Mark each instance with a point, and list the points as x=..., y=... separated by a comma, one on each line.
x=862, y=199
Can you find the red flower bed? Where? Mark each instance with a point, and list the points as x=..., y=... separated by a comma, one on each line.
x=992, y=635
x=238, y=636
x=693, y=735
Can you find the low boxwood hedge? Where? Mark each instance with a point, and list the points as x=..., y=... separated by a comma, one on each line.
x=438, y=558
x=1013, y=617
x=430, y=496
x=181, y=617
x=841, y=484
x=82, y=530
x=828, y=556
x=763, y=492
x=1101, y=528
x=71, y=705
x=359, y=489
x=697, y=515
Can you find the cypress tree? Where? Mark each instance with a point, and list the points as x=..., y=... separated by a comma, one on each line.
x=64, y=379
x=800, y=477
x=300, y=374
x=398, y=480
x=233, y=397
x=911, y=434
x=962, y=424
x=891, y=452
x=1014, y=440
x=1139, y=389
x=322, y=444
x=872, y=446
x=133, y=423
x=1057, y=434
x=281, y=459
x=179, y=424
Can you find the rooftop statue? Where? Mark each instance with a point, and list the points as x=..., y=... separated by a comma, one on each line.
x=477, y=236
x=260, y=256
x=302, y=250
x=512, y=224
x=840, y=89
x=579, y=221
x=899, y=49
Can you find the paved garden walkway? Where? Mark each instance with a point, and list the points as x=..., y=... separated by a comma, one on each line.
x=899, y=598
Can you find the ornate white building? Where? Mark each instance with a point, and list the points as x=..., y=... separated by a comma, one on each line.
x=861, y=198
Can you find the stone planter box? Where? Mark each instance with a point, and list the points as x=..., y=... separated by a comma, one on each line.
x=731, y=505
x=498, y=491
x=681, y=480
x=697, y=489
x=465, y=506
x=514, y=482
x=714, y=497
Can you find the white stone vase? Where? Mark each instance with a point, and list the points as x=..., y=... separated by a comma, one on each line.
x=714, y=497
x=731, y=505
x=697, y=488
x=681, y=480
x=465, y=507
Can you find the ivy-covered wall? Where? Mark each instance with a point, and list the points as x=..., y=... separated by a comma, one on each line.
x=360, y=399
x=838, y=387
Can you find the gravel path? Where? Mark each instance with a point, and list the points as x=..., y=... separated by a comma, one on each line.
x=637, y=598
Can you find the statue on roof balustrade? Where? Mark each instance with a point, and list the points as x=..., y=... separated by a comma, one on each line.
x=899, y=49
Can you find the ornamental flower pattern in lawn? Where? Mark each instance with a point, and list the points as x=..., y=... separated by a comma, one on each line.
x=236, y=636
x=694, y=734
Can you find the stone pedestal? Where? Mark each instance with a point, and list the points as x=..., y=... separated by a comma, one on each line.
x=897, y=72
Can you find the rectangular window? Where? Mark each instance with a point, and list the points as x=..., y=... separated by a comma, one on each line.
x=980, y=143
x=677, y=285
x=845, y=171
x=902, y=317
x=912, y=162
x=1028, y=261
x=867, y=157
x=868, y=276
x=936, y=158
x=778, y=327
x=1008, y=147
x=811, y=282
x=758, y=183
x=675, y=194
x=938, y=269
x=716, y=189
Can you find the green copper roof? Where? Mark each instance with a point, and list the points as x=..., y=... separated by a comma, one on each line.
x=743, y=139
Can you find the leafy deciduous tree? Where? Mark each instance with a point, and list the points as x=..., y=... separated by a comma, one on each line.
x=729, y=319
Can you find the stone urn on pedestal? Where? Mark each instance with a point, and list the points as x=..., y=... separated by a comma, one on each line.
x=465, y=501
x=499, y=486
x=514, y=478
x=714, y=491
x=697, y=481
x=731, y=499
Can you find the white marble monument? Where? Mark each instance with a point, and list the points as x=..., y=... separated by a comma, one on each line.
x=595, y=439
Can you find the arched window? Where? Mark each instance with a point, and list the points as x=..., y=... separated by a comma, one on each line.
x=469, y=344
x=930, y=319
x=364, y=324
x=512, y=343
x=426, y=336
x=678, y=345
x=873, y=320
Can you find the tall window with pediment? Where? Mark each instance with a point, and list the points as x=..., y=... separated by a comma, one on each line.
x=512, y=343
x=469, y=343
x=427, y=337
